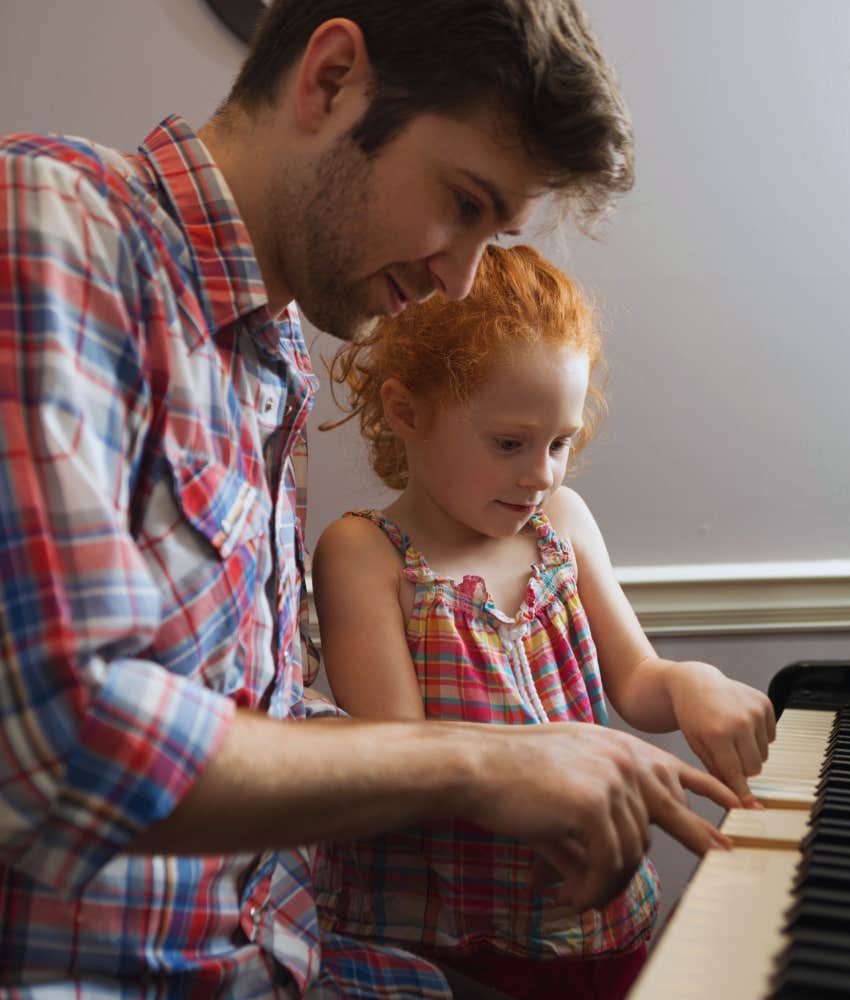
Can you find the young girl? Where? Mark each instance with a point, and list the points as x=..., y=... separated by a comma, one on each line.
x=485, y=593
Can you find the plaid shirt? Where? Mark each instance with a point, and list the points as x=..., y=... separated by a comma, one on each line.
x=453, y=884
x=151, y=416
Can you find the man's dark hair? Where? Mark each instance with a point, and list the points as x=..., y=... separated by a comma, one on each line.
x=535, y=60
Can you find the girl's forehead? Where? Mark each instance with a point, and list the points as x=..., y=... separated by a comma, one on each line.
x=536, y=365
x=531, y=389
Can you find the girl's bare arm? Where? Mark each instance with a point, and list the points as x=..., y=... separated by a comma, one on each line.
x=726, y=723
x=356, y=580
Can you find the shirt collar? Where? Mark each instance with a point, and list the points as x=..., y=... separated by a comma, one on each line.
x=199, y=200
x=230, y=286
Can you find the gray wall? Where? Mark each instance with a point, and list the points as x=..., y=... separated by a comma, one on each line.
x=111, y=69
x=723, y=278
x=723, y=281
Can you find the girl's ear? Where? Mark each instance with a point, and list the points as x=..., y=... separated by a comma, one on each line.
x=403, y=412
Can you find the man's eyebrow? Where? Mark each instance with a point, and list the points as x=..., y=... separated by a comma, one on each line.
x=500, y=205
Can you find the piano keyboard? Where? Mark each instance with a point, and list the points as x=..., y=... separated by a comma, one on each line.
x=730, y=936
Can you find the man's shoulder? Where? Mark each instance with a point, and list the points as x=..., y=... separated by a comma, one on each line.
x=98, y=179
x=68, y=186
x=97, y=162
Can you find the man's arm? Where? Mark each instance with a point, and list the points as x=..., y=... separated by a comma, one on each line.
x=98, y=740
x=277, y=784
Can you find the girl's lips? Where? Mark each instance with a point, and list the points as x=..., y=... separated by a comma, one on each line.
x=518, y=506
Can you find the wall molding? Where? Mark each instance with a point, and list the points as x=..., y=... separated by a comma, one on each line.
x=740, y=597
x=730, y=598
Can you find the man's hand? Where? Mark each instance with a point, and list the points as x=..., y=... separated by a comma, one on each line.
x=584, y=796
x=727, y=724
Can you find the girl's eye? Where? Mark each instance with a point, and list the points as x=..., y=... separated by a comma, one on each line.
x=506, y=444
x=560, y=445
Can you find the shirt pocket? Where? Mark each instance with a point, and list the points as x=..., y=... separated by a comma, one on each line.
x=212, y=562
x=218, y=502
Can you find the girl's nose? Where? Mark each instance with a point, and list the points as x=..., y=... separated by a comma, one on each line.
x=537, y=474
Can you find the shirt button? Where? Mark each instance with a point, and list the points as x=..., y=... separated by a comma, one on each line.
x=268, y=406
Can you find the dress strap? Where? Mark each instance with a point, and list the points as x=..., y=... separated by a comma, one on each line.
x=414, y=564
x=554, y=550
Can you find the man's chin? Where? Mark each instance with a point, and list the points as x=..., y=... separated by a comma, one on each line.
x=352, y=331
x=347, y=328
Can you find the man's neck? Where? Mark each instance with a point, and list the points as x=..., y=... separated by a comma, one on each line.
x=236, y=142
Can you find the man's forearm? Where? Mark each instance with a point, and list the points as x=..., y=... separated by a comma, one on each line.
x=582, y=795
x=280, y=784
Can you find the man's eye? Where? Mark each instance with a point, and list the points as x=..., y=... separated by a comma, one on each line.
x=470, y=211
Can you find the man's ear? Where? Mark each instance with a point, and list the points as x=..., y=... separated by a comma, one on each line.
x=333, y=75
x=403, y=412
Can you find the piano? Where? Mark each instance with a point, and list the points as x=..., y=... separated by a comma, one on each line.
x=770, y=919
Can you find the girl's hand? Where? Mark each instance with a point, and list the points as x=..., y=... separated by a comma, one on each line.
x=727, y=724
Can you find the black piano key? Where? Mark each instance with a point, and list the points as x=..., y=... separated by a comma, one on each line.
x=823, y=846
x=831, y=809
x=830, y=913
x=836, y=962
x=809, y=982
x=817, y=962
x=835, y=782
x=835, y=785
x=836, y=761
x=823, y=875
x=810, y=896
x=827, y=941
x=826, y=832
x=828, y=853
x=837, y=768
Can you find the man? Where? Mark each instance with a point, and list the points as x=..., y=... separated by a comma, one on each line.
x=157, y=775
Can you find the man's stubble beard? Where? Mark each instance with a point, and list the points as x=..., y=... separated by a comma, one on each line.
x=322, y=223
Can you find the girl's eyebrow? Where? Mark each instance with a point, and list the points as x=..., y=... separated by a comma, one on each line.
x=506, y=427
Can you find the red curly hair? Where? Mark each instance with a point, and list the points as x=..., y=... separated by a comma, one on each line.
x=442, y=349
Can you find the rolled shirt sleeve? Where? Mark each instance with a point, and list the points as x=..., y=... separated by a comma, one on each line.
x=98, y=738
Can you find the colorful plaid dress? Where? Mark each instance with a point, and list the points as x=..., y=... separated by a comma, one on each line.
x=452, y=884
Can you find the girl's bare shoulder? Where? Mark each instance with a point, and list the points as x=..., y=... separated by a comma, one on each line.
x=568, y=513
x=358, y=541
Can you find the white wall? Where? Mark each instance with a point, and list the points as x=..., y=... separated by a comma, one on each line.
x=724, y=277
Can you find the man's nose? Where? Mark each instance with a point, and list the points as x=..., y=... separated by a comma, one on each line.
x=454, y=269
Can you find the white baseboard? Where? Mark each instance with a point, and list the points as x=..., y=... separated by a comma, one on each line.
x=740, y=597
